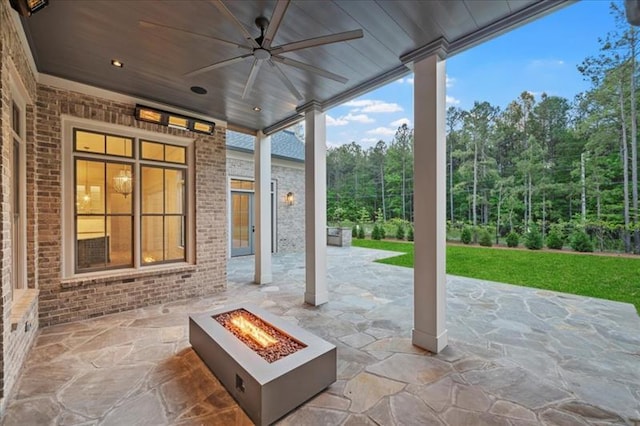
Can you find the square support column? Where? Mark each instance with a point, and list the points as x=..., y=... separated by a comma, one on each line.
x=429, y=273
x=262, y=209
x=315, y=175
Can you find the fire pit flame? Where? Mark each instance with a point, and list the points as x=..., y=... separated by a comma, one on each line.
x=258, y=335
x=253, y=331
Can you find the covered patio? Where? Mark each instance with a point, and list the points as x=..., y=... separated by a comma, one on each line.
x=516, y=356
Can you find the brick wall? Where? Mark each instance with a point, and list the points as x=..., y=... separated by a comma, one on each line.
x=63, y=300
x=289, y=178
x=59, y=299
x=15, y=343
x=291, y=237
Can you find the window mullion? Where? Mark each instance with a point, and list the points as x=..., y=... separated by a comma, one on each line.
x=137, y=207
x=106, y=214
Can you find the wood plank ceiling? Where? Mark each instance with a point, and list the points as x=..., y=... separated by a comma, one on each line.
x=76, y=40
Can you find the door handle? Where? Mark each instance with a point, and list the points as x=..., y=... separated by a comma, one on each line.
x=253, y=228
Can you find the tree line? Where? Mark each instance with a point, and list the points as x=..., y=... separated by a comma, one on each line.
x=541, y=162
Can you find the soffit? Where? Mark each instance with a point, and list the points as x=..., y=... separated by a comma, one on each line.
x=76, y=40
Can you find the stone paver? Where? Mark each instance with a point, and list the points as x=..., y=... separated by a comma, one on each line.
x=516, y=356
x=365, y=390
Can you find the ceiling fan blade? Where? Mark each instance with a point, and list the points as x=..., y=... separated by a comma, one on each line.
x=147, y=24
x=274, y=23
x=226, y=12
x=285, y=80
x=252, y=77
x=217, y=65
x=318, y=41
x=307, y=67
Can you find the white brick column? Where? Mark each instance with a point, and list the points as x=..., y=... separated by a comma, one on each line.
x=262, y=209
x=315, y=161
x=429, y=279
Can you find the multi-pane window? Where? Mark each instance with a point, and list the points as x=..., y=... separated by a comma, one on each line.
x=163, y=214
x=112, y=208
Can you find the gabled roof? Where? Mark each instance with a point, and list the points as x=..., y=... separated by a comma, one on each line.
x=284, y=144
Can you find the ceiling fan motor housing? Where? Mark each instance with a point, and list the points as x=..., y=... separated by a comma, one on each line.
x=261, y=54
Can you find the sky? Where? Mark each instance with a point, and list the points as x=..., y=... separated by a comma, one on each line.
x=540, y=57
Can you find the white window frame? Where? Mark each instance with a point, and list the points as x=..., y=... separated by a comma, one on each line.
x=69, y=123
x=19, y=96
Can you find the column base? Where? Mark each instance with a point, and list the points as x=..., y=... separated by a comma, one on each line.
x=263, y=279
x=316, y=299
x=433, y=344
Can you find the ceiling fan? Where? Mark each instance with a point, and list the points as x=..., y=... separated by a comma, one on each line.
x=260, y=49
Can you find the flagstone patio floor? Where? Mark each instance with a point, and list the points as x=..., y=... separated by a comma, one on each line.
x=516, y=356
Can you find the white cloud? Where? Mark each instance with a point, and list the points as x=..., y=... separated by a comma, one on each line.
x=452, y=101
x=369, y=140
x=373, y=106
x=408, y=80
x=399, y=122
x=450, y=81
x=358, y=103
x=360, y=118
x=380, y=106
x=336, y=121
x=546, y=63
x=382, y=131
x=349, y=118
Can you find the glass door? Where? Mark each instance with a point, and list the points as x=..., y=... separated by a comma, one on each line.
x=241, y=223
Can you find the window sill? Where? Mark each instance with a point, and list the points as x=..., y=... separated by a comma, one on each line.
x=125, y=275
x=23, y=302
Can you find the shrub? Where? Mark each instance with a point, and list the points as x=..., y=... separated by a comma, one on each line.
x=533, y=239
x=581, y=242
x=381, y=230
x=364, y=215
x=410, y=234
x=375, y=233
x=555, y=240
x=361, y=232
x=354, y=231
x=485, y=238
x=338, y=215
x=466, y=235
x=513, y=239
x=400, y=231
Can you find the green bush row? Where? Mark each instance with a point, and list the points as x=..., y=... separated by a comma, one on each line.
x=579, y=239
x=403, y=230
x=532, y=239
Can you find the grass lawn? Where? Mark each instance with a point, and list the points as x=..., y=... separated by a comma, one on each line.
x=605, y=277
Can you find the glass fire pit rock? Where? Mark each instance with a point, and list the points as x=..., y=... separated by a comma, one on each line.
x=266, y=391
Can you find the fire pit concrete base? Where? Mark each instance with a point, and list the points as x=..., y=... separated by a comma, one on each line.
x=265, y=391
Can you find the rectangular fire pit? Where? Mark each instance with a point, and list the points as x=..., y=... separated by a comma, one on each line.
x=271, y=367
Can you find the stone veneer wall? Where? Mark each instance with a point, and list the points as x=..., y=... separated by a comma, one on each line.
x=289, y=176
x=17, y=340
x=63, y=300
